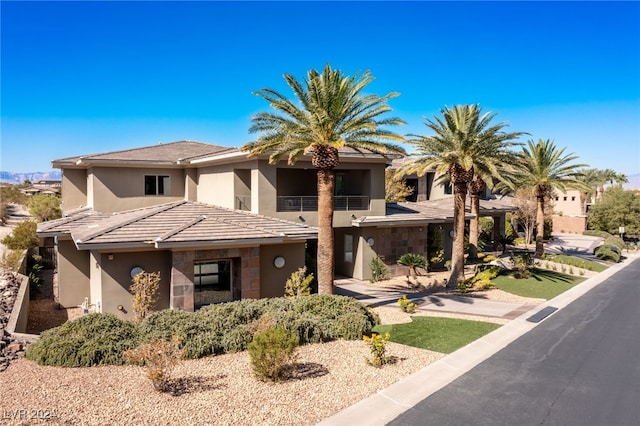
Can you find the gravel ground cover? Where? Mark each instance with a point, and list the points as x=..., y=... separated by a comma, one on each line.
x=218, y=390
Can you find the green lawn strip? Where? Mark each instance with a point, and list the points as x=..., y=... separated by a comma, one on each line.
x=575, y=261
x=437, y=334
x=543, y=284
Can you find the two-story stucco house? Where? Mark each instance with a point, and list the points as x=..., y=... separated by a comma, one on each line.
x=218, y=225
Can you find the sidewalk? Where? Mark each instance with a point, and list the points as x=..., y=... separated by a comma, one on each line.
x=438, y=302
x=390, y=402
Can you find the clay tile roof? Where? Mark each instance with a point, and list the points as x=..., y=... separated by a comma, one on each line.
x=162, y=153
x=181, y=224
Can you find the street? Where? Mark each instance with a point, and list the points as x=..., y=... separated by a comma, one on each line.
x=580, y=366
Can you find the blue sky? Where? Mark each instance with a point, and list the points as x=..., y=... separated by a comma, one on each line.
x=82, y=78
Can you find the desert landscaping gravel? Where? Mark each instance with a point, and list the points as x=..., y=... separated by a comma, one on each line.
x=218, y=390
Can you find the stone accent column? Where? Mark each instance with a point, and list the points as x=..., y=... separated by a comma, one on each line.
x=181, y=290
x=250, y=274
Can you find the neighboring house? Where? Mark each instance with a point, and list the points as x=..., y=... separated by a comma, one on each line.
x=217, y=224
x=569, y=212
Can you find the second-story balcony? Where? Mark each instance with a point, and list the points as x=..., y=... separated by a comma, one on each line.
x=310, y=203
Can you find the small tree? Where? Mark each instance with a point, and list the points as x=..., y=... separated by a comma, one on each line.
x=22, y=237
x=44, y=207
x=145, y=293
x=298, y=284
x=395, y=188
x=272, y=354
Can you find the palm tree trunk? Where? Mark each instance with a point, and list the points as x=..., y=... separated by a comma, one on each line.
x=474, y=226
x=457, y=253
x=540, y=227
x=326, y=260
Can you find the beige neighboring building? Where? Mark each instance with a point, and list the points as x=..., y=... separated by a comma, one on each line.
x=221, y=226
x=569, y=212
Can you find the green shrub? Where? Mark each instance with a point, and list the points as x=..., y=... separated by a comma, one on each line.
x=272, y=352
x=145, y=293
x=379, y=270
x=608, y=252
x=406, y=305
x=93, y=339
x=23, y=236
x=594, y=233
x=11, y=260
x=413, y=262
x=615, y=241
x=197, y=341
x=378, y=346
x=339, y=317
x=298, y=283
x=523, y=263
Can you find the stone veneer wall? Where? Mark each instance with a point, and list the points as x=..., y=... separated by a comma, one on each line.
x=246, y=273
x=394, y=242
x=569, y=224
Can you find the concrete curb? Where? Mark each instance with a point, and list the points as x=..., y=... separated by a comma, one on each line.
x=392, y=401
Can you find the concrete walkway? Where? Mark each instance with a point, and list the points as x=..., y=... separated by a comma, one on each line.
x=387, y=404
x=439, y=302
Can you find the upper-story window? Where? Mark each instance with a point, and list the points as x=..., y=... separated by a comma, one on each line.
x=156, y=185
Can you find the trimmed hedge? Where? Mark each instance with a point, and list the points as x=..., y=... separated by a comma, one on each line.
x=93, y=339
x=608, y=252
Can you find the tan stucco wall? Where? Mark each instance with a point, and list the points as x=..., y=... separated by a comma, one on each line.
x=73, y=274
x=567, y=204
x=272, y=279
x=115, y=277
x=118, y=189
x=191, y=185
x=215, y=185
x=74, y=189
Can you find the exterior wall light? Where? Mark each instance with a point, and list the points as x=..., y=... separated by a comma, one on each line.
x=370, y=241
x=135, y=271
x=278, y=262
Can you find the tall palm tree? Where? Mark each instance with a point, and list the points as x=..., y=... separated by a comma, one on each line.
x=330, y=112
x=465, y=142
x=590, y=178
x=544, y=167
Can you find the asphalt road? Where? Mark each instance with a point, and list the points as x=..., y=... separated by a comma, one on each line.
x=580, y=366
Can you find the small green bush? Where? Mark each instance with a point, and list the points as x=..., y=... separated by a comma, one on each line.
x=379, y=270
x=298, y=283
x=93, y=339
x=272, y=352
x=406, y=305
x=608, y=252
x=594, y=233
x=413, y=262
x=378, y=347
x=197, y=341
x=615, y=241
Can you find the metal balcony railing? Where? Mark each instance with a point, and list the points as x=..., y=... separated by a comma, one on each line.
x=243, y=202
x=310, y=203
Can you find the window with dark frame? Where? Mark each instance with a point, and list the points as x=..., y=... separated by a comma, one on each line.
x=156, y=185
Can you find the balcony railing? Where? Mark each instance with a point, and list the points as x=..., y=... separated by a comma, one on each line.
x=243, y=202
x=310, y=203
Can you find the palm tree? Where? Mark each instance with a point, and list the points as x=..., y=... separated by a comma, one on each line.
x=590, y=177
x=330, y=113
x=544, y=168
x=465, y=142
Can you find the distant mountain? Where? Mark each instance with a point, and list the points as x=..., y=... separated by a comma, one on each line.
x=634, y=182
x=11, y=177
